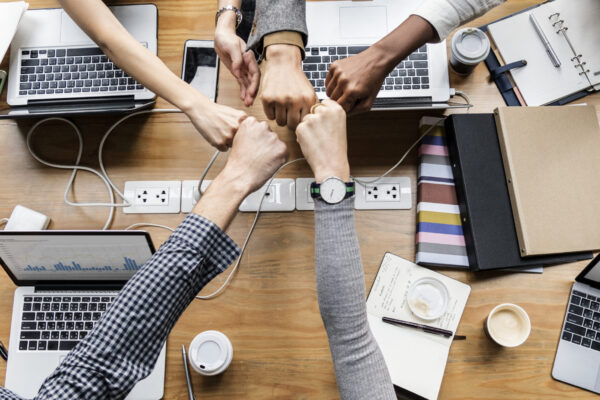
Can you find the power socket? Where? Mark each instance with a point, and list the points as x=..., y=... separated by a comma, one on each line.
x=152, y=197
x=390, y=193
x=280, y=196
x=304, y=201
x=188, y=190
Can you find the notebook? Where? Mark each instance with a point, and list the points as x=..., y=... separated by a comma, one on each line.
x=440, y=240
x=483, y=198
x=10, y=15
x=572, y=30
x=415, y=360
x=551, y=157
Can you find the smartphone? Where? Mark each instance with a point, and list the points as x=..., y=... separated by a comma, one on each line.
x=2, y=80
x=201, y=66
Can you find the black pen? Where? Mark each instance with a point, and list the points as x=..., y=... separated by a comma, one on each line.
x=424, y=328
x=3, y=352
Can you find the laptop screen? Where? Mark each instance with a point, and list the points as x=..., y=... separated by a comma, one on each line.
x=73, y=256
x=591, y=273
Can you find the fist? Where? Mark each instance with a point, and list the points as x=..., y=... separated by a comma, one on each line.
x=256, y=154
x=322, y=138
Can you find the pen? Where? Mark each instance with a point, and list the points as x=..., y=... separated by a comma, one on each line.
x=424, y=328
x=545, y=42
x=187, y=374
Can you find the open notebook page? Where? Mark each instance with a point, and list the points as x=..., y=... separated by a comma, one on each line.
x=582, y=17
x=539, y=81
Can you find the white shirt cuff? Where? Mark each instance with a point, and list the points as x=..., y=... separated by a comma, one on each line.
x=440, y=14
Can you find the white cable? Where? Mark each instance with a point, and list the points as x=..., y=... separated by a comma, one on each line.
x=199, y=192
x=139, y=224
x=103, y=175
x=466, y=98
x=237, y=263
x=365, y=182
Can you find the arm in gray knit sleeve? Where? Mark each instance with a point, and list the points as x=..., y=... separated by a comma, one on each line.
x=359, y=365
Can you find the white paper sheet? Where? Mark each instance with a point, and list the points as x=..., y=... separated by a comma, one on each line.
x=10, y=15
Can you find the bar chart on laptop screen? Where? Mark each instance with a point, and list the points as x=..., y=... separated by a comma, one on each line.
x=73, y=257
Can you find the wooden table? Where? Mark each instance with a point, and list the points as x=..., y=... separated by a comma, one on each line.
x=270, y=310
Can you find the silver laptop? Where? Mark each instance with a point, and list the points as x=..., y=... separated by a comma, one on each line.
x=577, y=360
x=340, y=29
x=55, y=68
x=66, y=281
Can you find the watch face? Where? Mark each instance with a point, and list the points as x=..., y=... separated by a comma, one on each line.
x=333, y=190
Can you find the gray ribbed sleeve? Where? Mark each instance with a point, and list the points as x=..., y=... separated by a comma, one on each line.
x=359, y=365
x=277, y=15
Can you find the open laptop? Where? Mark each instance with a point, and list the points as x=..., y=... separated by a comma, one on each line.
x=66, y=281
x=577, y=360
x=56, y=69
x=340, y=29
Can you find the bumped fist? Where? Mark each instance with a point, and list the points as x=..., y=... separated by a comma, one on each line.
x=217, y=123
x=287, y=95
x=322, y=138
x=255, y=155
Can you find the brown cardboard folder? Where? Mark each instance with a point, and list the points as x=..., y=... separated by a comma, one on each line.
x=551, y=159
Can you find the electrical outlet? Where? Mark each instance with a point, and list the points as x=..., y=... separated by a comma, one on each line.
x=280, y=196
x=152, y=197
x=390, y=193
x=304, y=201
x=188, y=194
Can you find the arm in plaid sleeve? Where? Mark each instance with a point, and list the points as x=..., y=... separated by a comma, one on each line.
x=124, y=347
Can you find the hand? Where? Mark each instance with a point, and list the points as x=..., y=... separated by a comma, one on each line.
x=349, y=84
x=255, y=155
x=217, y=123
x=286, y=93
x=241, y=63
x=322, y=138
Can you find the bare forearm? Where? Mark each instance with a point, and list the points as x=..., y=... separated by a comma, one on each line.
x=124, y=50
x=221, y=200
x=408, y=36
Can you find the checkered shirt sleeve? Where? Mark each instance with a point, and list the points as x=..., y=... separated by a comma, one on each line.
x=123, y=348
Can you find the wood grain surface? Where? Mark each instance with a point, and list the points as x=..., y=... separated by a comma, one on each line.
x=270, y=311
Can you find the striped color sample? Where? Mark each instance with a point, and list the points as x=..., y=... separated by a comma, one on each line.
x=440, y=240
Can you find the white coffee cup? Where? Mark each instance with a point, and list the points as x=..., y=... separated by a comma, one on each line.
x=469, y=47
x=508, y=325
x=210, y=353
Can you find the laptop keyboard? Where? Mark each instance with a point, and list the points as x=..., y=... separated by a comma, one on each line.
x=50, y=323
x=582, y=325
x=410, y=74
x=51, y=72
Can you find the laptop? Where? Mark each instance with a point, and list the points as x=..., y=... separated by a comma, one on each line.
x=577, y=360
x=56, y=69
x=340, y=29
x=66, y=281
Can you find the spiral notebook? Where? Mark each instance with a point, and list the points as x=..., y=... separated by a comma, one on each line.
x=572, y=29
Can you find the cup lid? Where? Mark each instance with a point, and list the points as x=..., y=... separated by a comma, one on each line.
x=428, y=298
x=470, y=45
x=210, y=352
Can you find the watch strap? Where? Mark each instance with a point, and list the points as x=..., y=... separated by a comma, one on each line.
x=315, y=190
x=238, y=14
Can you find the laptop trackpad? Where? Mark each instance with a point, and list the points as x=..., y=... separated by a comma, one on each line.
x=363, y=22
x=70, y=32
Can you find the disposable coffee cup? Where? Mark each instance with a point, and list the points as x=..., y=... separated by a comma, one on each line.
x=508, y=325
x=210, y=353
x=469, y=47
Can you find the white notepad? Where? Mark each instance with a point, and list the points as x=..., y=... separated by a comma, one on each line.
x=10, y=15
x=416, y=360
x=573, y=30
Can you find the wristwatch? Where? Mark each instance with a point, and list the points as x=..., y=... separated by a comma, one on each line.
x=238, y=14
x=332, y=190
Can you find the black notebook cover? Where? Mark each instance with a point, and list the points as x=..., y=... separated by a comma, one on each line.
x=483, y=198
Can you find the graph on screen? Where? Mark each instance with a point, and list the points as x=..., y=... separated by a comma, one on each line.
x=73, y=257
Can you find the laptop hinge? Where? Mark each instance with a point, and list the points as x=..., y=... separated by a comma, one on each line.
x=82, y=100
x=78, y=287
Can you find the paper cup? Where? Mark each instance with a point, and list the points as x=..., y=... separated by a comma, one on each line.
x=210, y=353
x=469, y=47
x=508, y=325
